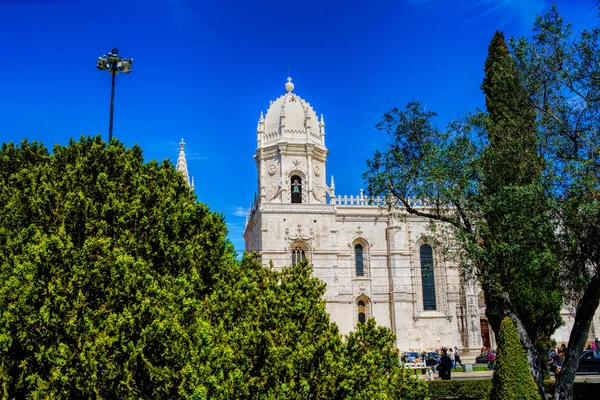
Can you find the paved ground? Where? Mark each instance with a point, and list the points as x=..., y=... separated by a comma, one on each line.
x=595, y=378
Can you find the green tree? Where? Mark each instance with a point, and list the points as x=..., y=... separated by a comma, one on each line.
x=512, y=376
x=373, y=370
x=116, y=283
x=561, y=70
x=517, y=244
x=104, y=260
x=482, y=176
x=274, y=334
x=278, y=343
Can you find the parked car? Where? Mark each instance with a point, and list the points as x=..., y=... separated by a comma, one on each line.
x=411, y=357
x=482, y=358
x=589, y=362
x=432, y=359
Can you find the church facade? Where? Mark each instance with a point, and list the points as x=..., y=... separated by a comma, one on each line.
x=376, y=262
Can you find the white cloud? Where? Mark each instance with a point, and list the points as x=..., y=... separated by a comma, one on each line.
x=240, y=212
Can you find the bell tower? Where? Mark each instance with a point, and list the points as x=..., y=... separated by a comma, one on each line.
x=291, y=154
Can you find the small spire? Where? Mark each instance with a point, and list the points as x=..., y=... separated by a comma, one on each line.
x=332, y=189
x=182, y=165
x=322, y=128
x=289, y=86
x=262, y=116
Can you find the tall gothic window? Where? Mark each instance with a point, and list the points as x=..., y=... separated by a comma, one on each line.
x=427, y=277
x=358, y=255
x=296, y=189
x=298, y=254
x=362, y=312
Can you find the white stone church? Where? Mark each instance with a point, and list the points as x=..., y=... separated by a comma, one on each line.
x=376, y=263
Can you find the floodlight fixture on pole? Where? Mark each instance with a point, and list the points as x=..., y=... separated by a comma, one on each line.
x=113, y=64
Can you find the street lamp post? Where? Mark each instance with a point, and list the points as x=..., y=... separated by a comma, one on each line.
x=113, y=64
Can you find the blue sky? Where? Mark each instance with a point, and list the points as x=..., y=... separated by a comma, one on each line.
x=204, y=70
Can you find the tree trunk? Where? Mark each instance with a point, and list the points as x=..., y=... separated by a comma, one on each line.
x=532, y=354
x=586, y=308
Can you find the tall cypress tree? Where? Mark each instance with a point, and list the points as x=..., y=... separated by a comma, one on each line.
x=519, y=271
x=512, y=377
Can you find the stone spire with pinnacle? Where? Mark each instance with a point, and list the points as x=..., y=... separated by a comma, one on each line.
x=182, y=165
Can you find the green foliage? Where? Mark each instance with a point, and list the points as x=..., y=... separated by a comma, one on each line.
x=373, y=367
x=475, y=389
x=581, y=390
x=512, y=375
x=274, y=334
x=560, y=70
x=103, y=264
x=480, y=389
x=116, y=283
x=483, y=176
x=517, y=237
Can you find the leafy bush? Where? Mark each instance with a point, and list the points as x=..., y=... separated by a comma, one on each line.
x=581, y=390
x=512, y=376
x=475, y=389
x=480, y=389
x=115, y=282
x=371, y=362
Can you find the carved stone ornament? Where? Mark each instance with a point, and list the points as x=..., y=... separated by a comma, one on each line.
x=296, y=162
x=317, y=170
x=298, y=236
x=272, y=169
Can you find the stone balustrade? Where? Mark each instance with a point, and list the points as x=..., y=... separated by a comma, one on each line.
x=369, y=201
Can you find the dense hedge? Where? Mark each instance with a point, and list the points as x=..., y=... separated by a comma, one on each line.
x=471, y=389
x=581, y=390
x=480, y=389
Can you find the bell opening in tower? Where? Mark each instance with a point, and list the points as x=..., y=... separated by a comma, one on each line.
x=296, y=186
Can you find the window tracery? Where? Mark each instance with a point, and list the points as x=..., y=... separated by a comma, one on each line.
x=427, y=277
x=363, y=308
x=298, y=252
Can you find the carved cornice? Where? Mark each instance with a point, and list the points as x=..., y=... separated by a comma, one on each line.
x=289, y=208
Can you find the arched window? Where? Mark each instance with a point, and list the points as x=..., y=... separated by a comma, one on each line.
x=298, y=254
x=296, y=189
x=427, y=277
x=362, y=312
x=358, y=255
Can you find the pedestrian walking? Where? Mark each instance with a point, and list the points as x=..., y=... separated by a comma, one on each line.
x=558, y=362
x=451, y=356
x=457, y=358
x=491, y=359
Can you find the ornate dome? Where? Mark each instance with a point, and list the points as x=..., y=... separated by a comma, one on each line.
x=292, y=119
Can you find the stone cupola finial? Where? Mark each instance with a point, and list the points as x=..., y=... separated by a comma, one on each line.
x=289, y=86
